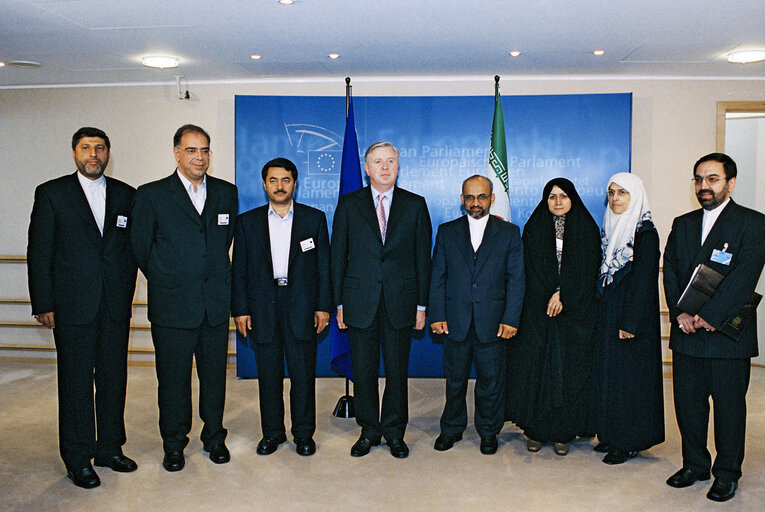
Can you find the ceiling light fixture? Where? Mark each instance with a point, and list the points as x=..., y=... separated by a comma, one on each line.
x=2, y=64
x=255, y=56
x=28, y=64
x=334, y=56
x=160, y=61
x=286, y=2
x=746, y=56
x=515, y=53
x=599, y=52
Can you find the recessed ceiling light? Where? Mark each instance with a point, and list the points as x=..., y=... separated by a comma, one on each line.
x=286, y=2
x=160, y=61
x=24, y=64
x=746, y=56
x=599, y=52
x=334, y=56
x=255, y=56
x=2, y=64
x=515, y=53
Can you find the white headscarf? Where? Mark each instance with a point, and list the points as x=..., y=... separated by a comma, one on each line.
x=618, y=231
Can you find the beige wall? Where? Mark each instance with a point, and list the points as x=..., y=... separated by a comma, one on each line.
x=673, y=124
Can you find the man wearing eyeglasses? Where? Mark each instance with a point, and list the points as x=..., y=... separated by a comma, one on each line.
x=182, y=230
x=476, y=297
x=730, y=239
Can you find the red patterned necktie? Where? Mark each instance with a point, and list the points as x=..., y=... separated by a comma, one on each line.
x=381, y=216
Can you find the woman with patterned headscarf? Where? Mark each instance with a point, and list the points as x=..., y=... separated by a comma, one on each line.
x=627, y=394
x=549, y=361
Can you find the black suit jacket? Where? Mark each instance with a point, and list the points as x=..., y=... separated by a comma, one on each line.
x=363, y=268
x=309, y=290
x=743, y=230
x=485, y=287
x=184, y=255
x=69, y=263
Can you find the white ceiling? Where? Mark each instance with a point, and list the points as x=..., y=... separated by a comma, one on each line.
x=101, y=41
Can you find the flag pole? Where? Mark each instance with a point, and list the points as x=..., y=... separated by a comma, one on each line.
x=345, y=406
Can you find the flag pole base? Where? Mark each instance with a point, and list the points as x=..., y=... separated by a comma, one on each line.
x=344, y=408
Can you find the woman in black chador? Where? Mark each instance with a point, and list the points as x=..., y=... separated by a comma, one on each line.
x=627, y=395
x=549, y=362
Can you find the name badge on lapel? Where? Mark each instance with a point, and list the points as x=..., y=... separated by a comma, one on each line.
x=223, y=219
x=121, y=221
x=307, y=244
x=722, y=257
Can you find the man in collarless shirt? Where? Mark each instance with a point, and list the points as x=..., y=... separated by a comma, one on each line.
x=381, y=237
x=476, y=297
x=182, y=230
x=81, y=282
x=281, y=299
x=731, y=239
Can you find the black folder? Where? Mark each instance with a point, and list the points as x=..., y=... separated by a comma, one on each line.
x=702, y=285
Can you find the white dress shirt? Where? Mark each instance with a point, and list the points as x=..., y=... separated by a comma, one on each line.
x=95, y=192
x=477, y=228
x=280, y=234
x=709, y=219
x=198, y=196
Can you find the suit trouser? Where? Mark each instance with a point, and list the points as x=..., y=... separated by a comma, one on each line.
x=84, y=354
x=695, y=379
x=301, y=364
x=174, y=351
x=490, y=365
x=389, y=421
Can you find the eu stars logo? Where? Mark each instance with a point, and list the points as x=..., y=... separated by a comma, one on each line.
x=323, y=162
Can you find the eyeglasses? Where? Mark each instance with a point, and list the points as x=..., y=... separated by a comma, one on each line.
x=698, y=180
x=481, y=198
x=192, y=152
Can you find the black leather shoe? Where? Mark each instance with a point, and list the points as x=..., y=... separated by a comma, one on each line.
x=218, y=453
x=722, y=490
x=398, y=448
x=445, y=441
x=617, y=456
x=685, y=477
x=362, y=446
x=117, y=462
x=489, y=445
x=602, y=447
x=84, y=477
x=305, y=446
x=174, y=460
x=268, y=445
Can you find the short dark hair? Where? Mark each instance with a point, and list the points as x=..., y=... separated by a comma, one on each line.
x=728, y=164
x=477, y=176
x=280, y=162
x=189, y=128
x=89, y=131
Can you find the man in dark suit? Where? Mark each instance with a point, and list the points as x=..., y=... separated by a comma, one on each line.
x=81, y=282
x=381, y=238
x=730, y=239
x=181, y=234
x=476, y=297
x=281, y=296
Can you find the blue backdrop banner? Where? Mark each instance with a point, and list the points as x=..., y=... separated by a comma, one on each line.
x=441, y=140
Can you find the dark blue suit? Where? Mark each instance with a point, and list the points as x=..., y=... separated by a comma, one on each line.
x=708, y=363
x=283, y=317
x=475, y=292
x=380, y=286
